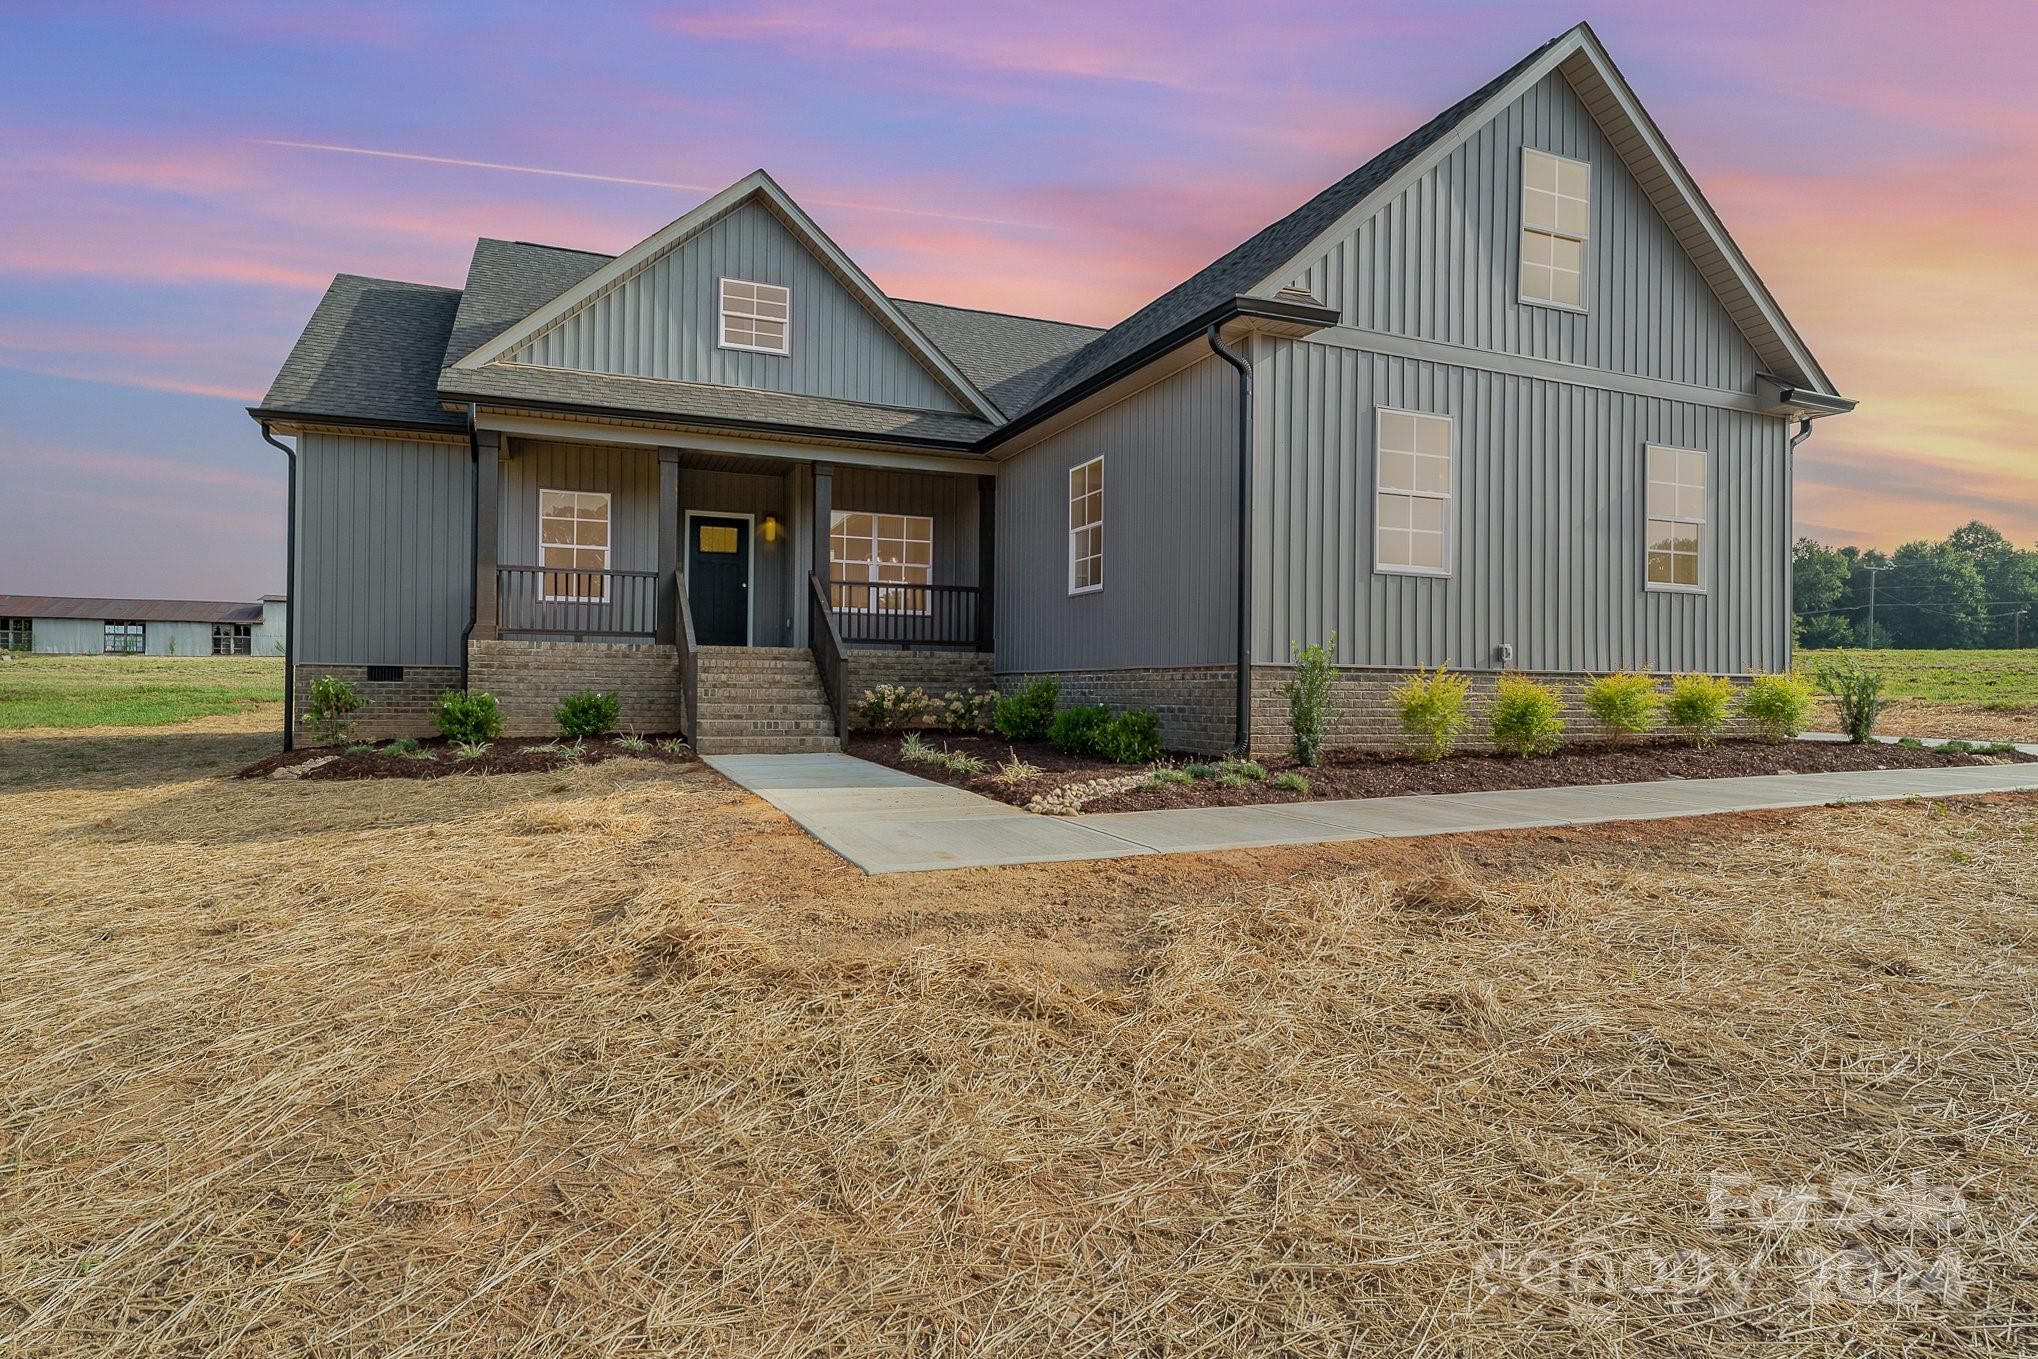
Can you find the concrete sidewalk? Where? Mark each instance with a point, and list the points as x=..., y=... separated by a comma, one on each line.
x=886, y=821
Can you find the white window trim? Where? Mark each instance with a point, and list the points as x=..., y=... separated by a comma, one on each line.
x=607, y=553
x=1704, y=524
x=1070, y=503
x=926, y=588
x=1584, y=242
x=1449, y=568
x=722, y=315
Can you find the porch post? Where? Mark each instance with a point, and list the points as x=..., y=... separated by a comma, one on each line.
x=668, y=546
x=824, y=517
x=487, y=530
x=987, y=562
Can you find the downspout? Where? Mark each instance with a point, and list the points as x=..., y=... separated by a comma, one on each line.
x=473, y=538
x=290, y=593
x=1804, y=431
x=1243, y=681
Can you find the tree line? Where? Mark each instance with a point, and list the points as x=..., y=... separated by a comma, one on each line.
x=1973, y=588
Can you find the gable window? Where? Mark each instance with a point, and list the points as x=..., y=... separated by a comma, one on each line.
x=1086, y=527
x=233, y=639
x=874, y=560
x=1676, y=529
x=756, y=316
x=17, y=634
x=124, y=639
x=1556, y=216
x=1412, y=493
x=573, y=545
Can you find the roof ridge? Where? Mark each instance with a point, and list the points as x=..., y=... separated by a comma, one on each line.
x=989, y=311
x=541, y=245
x=399, y=282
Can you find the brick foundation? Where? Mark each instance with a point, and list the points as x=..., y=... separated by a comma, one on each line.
x=388, y=707
x=529, y=679
x=1195, y=704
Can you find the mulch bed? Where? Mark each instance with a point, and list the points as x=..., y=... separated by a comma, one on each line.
x=1355, y=775
x=508, y=755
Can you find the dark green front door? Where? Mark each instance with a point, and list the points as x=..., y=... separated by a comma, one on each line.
x=718, y=579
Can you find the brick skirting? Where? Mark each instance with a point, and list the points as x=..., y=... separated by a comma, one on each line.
x=388, y=707
x=1194, y=703
x=529, y=679
x=937, y=672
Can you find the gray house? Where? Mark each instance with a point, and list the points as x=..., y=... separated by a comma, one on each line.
x=1506, y=396
x=76, y=626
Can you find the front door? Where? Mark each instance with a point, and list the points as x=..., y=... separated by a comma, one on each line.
x=718, y=579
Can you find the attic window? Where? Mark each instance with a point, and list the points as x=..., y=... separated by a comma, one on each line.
x=756, y=316
x=1556, y=216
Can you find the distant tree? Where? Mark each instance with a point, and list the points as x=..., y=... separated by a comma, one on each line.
x=1818, y=592
x=2009, y=578
x=1933, y=597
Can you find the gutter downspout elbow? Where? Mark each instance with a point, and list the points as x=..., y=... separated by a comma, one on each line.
x=1243, y=681
x=1804, y=431
x=290, y=594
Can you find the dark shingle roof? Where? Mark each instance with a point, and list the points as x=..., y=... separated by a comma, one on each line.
x=1248, y=264
x=129, y=610
x=507, y=281
x=370, y=352
x=1009, y=358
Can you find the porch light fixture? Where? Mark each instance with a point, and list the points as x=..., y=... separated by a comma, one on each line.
x=769, y=529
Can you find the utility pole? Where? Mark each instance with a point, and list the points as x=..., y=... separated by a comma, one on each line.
x=1873, y=572
x=2017, y=629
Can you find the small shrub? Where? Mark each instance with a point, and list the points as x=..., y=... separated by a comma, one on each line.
x=1856, y=692
x=1997, y=748
x=1292, y=781
x=892, y=708
x=1228, y=779
x=1778, y=705
x=1199, y=771
x=1308, y=692
x=633, y=743
x=1958, y=747
x=1080, y=730
x=589, y=713
x=1014, y=770
x=1167, y=775
x=419, y=753
x=560, y=749
x=1629, y=704
x=1525, y=718
x=364, y=748
x=672, y=745
x=1431, y=705
x=1697, y=706
x=916, y=750
x=333, y=704
x=402, y=745
x=1250, y=770
x=962, y=762
x=1132, y=737
x=1029, y=714
x=470, y=750
x=968, y=711
x=464, y=715
x=1911, y=743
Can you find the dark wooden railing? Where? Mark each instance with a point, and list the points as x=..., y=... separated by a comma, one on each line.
x=577, y=604
x=826, y=643
x=689, y=665
x=870, y=614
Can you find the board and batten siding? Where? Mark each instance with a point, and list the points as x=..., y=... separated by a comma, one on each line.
x=383, y=543
x=663, y=321
x=1548, y=508
x=1441, y=261
x=756, y=494
x=1170, y=535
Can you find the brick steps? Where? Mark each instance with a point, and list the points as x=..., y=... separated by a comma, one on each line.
x=761, y=701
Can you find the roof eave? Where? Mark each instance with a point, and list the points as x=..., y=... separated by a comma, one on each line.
x=722, y=424
x=269, y=415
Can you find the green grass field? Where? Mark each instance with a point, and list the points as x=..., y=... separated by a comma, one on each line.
x=1998, y=680
x=131, y=691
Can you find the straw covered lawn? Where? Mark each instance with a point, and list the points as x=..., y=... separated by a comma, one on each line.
x=615, y=1062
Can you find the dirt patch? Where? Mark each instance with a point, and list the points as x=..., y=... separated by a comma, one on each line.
x=438, y=759
x=1363, y=776
x=1963, y=721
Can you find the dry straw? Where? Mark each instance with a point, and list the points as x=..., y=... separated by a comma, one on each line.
x=600, y=1063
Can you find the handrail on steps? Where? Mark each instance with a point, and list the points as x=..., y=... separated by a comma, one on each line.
x=825, y=640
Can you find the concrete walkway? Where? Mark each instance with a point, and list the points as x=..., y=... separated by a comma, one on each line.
x=886, y=821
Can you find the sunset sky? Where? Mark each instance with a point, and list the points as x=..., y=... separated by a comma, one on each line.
x=173, y=201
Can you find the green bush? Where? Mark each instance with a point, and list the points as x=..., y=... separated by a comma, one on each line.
x=1308, y=691
x=1167, y=775
x=402, y=745
x=1250, y=770
x=463, y=716
x=1525, y=718
x=333, y=705
x=1029, y=714
x=1697, y=706
x=1080, y=730
x=1630, y=704
x=1431, y=705
x=1199, y=770
x=1856, y=692
x=916, y=749
x=1132, y=737
x=1292, y=781
x=892, y=707
x=1778, y=705
x=967, y=710
x=589, y=713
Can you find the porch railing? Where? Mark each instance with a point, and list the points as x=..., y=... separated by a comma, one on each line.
x=578, y=604
x=871, y=614
x=826, y=643
x=689, y=667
